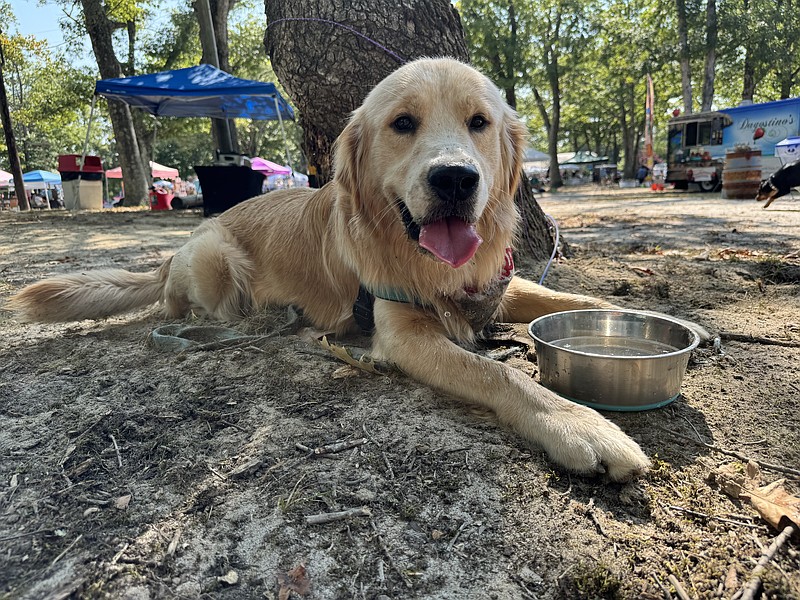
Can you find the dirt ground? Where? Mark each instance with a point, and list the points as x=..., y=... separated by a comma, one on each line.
x=131, y=472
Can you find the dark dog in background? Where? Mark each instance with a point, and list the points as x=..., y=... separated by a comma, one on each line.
x=779, y=183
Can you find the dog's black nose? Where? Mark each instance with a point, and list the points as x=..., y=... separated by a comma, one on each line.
x=454, y=183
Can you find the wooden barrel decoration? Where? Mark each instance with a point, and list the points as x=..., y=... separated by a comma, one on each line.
x=741, y=176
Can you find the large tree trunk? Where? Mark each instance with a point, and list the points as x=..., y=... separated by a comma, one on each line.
x=11, y=143
x=749, y=69
x=627, y=119
x=329, y=54
x=135, y=176
x=711, y=55
x=216, y=52
x=685, y=56
x=748, y=76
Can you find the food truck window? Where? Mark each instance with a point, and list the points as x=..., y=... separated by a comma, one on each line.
x=674, y=144
x=716, y=131
x=704, y=134
x=690, y=137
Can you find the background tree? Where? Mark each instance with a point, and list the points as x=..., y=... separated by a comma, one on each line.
x=315, y=60
x=48, y=99
x=709, y=71
x=685, y=55
x=498, y=35
x=100, y=26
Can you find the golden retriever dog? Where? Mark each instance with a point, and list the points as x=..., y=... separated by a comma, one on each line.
x=420, y=216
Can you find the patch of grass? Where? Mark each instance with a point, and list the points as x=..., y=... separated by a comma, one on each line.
x=595, y=581
x=776, y=271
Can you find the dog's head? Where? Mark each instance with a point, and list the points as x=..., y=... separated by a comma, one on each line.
x=436, y=148
x=766, y=191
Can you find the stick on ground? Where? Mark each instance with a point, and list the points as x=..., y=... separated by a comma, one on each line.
x=337, y=516
x=753, y=587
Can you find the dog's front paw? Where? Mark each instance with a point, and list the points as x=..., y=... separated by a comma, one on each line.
x=581, y=440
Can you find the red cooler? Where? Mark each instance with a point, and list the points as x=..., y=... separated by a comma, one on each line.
x=160, y=200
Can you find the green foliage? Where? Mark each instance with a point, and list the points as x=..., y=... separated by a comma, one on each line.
x=49, y=102
x=605, y=50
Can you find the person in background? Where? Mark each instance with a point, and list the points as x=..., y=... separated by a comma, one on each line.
x=37, y=201
x=641, y=174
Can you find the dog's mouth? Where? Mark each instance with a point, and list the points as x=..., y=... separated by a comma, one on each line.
x=451, y=239
x=766, y=192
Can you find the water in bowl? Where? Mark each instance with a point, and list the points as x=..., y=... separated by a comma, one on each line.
x=614, y=346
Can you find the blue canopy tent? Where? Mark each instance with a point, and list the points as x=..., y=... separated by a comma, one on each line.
x=39, y=176
x=201, y=91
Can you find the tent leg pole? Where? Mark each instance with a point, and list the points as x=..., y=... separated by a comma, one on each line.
x=283, y=131
x=153, y=151
x=88, y=129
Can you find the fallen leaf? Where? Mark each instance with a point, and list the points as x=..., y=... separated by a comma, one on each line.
x=346, y=372
x=734, y=481
x=776, y=506
x=231, y=577
x=363, y=362
x=295, y=581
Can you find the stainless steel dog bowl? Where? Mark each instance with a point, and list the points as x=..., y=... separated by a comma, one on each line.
x=613, y=359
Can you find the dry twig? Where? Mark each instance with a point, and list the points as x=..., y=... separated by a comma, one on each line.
x=116, y=449
x=744, y=458
x=753, y=587
x=681, y=593
x=67, y=549
x=389, y=558
x=755, y=339
x=337, y=516
x=705, y=516
x=330, y=448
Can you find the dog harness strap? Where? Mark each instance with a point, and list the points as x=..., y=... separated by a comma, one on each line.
x=363, y=310
x=364, y=306
x=477, y=306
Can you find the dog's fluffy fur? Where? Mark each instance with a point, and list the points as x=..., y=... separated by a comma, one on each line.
x=312, y=249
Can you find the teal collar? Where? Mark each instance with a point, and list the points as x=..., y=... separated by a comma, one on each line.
x=392, y=294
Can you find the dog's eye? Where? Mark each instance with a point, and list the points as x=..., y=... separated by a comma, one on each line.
x=478, y=123
x=404, y=124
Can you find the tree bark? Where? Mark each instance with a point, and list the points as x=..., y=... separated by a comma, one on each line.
x=711, y=55
x=551, y=56
x=11, y=142
x=748, y=76
x=216, y=52
x=749, y=69
x=328, y=55
x=136, y=175
x=685, y=56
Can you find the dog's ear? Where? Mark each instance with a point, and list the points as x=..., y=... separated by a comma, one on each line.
x=515, y=134
x=349, y=159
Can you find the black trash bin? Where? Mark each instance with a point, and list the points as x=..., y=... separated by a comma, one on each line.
x=226, y=186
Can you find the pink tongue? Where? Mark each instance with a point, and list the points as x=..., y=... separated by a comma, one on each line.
x=451, y=240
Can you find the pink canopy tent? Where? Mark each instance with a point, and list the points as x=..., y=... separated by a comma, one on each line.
x=158, y=171
x=267, y=167
x=5, y=176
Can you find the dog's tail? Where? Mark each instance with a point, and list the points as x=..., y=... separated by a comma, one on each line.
x=91, y=295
